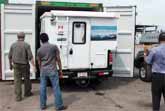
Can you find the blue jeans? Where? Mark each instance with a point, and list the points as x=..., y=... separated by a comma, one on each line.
x=54, y=78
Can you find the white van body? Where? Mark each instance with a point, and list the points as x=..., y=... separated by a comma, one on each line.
x=87, y=35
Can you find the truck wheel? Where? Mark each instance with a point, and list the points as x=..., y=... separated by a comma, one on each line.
x=83, y=82
x=138, y=62
x=145, y=73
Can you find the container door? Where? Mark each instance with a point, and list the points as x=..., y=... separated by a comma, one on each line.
x=123, y=62
x=16, y=18
x=79, y=43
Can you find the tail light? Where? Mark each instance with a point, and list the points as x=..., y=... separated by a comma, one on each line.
x=103, y=73
x=100, y=73
x=110, y=58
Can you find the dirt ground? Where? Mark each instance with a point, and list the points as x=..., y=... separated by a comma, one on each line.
x=115, y=94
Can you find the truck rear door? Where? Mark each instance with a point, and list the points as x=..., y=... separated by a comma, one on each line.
x=79, y=43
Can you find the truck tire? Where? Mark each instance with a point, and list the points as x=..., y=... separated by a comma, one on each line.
x=83, y=82
x=145, y=73
x=138, y=62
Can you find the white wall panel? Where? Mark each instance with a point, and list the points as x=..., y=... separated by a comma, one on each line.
x=123, y=64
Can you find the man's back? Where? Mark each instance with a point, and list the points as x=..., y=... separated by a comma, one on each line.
x=157, y=59
x=47, y=54
x=20, y=52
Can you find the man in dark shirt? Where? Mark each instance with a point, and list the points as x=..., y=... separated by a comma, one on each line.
x=19, y=56
x=156, y=58
x=48, y=58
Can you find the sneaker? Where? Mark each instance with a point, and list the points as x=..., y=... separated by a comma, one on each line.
x=62, y=108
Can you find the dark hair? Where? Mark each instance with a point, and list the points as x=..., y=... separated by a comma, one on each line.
x=162, y=36
x=44, y=37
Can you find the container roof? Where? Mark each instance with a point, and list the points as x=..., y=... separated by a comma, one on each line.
x=69, y=4
x=80, y=14
x=3, y=1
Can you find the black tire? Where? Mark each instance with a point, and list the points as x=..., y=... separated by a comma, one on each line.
x=139, y=60
x=83, y=82
x=145, y=73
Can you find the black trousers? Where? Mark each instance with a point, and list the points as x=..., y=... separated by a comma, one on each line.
x=158, y=88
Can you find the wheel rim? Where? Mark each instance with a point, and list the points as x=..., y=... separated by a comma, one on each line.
x=142, y=72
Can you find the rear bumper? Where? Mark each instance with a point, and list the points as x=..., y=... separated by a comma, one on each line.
x=87, y=74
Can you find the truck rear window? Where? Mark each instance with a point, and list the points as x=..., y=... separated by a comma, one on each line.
x=79, y=32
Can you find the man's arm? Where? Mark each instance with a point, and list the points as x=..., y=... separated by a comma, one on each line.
x=10, y=58
x=33, y=64
x=10, y=62
x=38, y=59
x=59, y=62
x=30, y=58
x=39, y=62
x=149, y=57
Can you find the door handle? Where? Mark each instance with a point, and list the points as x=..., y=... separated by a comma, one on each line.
x=60, y=46
x=71, y=51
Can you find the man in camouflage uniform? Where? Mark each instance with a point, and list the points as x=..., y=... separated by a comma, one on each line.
x=19, y=56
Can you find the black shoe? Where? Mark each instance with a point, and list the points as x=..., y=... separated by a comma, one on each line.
x=43, y=108
x=62, y=108
x=30, y=94
x=18, y=100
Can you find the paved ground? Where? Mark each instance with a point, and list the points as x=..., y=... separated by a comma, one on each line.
x=115, y=94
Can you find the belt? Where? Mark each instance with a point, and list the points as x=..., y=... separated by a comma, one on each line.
x=158, y=73
x=20, y=64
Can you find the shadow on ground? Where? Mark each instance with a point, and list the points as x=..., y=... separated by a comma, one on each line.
x=111, y=83
x=70, y=86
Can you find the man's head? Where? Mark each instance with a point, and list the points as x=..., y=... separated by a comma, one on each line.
x=21, y=35
x=44, y=37
x=162, y=37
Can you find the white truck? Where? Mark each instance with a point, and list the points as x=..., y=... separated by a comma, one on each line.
x=86, y=41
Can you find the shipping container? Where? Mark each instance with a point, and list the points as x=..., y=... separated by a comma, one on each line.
x=26, y=17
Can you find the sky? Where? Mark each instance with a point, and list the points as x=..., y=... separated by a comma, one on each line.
x=150, y=12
